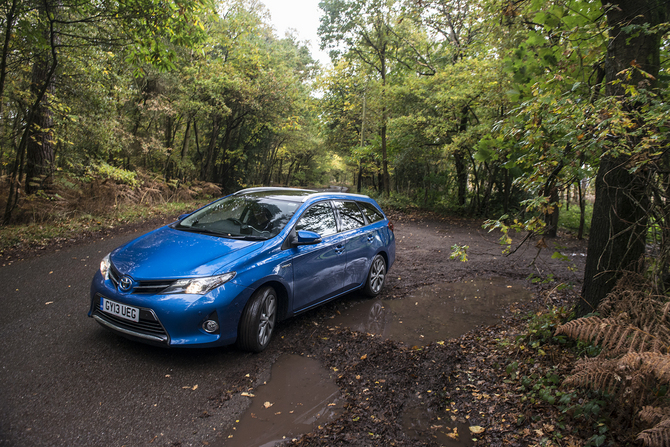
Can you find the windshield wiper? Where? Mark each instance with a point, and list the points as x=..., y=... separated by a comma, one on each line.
x=249, y=238
x=201, y=230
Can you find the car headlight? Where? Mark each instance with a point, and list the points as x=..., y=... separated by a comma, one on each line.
x=104, y=266
x=199, y=286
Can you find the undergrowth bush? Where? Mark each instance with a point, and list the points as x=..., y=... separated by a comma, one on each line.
x=633, y=366
x=97, y=198
x=569, y=219
x=119, y=175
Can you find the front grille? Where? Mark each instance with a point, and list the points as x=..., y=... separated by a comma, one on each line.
x=149, y=327
x=143, y=287
x=153, y=287
x=114, y=275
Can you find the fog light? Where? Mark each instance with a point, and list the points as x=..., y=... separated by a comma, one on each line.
x=210, y=326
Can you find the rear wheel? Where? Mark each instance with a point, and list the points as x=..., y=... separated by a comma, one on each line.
x=258, y=320
x=376, y=276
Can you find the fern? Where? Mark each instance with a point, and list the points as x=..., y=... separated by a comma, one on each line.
x=657, y=436
x=596, y=375
x=634, y=362
x=653, y=415
x=615, y=337
x=632, y=302
x=649, y=363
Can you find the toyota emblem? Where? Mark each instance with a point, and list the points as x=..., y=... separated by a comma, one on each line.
x=126, y=283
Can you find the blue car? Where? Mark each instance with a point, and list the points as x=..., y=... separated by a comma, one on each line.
x=227, y=272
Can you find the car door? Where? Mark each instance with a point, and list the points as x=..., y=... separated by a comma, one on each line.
x=318, y=270
x=360, y=243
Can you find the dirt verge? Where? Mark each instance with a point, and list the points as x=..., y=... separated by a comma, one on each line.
x=465, y=382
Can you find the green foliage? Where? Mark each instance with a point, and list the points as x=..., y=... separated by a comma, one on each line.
x=71, y=225
x=541, y=329
x=171, y=88
x=119, y=175
x=543, y=385
x=459, y=252
x=569, y=219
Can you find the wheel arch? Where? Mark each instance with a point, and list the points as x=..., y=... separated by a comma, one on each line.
x=384, y=255
x=282, y=297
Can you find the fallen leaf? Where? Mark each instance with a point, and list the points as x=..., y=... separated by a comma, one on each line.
x=476, y=429
x=247, y=394
x=268, y=404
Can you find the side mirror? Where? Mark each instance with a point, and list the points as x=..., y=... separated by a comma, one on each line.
x=306, y=238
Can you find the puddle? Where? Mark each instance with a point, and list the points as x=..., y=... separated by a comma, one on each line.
x=436, y=312
x=420, y=424
x=299, y=395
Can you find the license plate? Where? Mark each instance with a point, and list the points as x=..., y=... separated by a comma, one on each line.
x=120, y=310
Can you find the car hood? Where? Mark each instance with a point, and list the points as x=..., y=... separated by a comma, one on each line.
x=167, y=253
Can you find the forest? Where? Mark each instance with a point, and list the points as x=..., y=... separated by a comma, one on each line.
x=502, y=109
x=497, y=108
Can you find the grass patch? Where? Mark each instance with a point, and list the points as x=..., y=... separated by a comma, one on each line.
x=569, y=219
x=44, y=233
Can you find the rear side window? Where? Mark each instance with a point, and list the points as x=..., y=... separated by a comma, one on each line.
x=318, y=218
x=371, y=212
x=350, y=215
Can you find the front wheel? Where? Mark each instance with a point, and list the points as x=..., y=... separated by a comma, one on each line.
x=258, y=320
x=376, y=276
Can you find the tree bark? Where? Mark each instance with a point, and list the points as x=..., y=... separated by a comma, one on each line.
x=9, y=28
x=40, y=153
x=618, y=230
x=461, y=176
x=619, y=223
x=582, y=211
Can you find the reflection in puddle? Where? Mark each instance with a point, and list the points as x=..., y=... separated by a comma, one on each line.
x=300, y=394
x=419, y=423
x=436, y=312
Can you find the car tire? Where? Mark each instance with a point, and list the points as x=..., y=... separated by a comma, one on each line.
x=258, y=320
x=376, y=276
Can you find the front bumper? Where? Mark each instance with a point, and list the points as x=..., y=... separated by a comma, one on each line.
x=174, y=319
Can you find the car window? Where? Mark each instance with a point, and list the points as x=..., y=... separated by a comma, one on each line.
x=242, y=216
x=318, y=218
x=371, y=212
x=350, y=215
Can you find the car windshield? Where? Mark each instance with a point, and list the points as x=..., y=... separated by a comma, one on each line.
x=249, y=217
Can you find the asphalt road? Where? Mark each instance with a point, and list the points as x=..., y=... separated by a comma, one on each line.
x=66, y=381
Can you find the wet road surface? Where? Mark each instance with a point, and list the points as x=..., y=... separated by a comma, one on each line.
x=435, y=313
x=64, y=380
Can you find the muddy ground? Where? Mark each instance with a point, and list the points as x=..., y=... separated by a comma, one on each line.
x=461, y=382
x=456, y=392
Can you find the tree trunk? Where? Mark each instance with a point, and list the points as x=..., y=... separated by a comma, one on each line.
x=507, y=191
x=385, y=169
x=459, y=160
x=582, y=211
x=618, y=230
x=461, y=176
x=9, y=28
x=207, y=168
x=619, y=223
x=39, y=146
